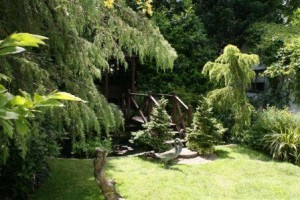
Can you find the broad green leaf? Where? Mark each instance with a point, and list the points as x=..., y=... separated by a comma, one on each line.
x=23, y=39
x=49, y=103
x=22, y=126
x=23, y=111
x=38, y=98
x=2, y=88
x=18, y=100
x=26, y=95
x=64, y=96
x=4, y=77
x=8, y=128
x=11, y=50
x=8, y=115
x=3, y=100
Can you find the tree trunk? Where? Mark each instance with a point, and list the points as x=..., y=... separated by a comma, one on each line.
x=107, y=187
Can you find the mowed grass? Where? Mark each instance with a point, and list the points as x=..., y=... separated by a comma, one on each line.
x=238, y=173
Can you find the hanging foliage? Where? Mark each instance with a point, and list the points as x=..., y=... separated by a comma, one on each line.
x=233, y=70
x=84, y=36
x=14, y=110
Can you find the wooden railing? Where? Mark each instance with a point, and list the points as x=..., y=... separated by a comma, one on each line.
x=142, y=104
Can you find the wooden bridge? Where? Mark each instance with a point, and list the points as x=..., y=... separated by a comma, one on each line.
x=137, y=108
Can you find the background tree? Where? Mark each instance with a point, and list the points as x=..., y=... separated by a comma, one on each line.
x=227, y=21
x=232, y=70
x=180, y=25
x=85, y=37
x=278, y=47
x=86, y=40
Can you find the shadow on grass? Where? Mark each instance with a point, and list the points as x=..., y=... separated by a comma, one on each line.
x=158, y=162
x=223, y=154
x=173, y=168
x=244, y=151
x=253, y=154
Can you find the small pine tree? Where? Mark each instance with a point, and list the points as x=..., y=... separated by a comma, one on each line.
x=157, y=130
x=206, y=130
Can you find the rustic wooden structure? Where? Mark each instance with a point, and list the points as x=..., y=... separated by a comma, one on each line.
x=138, y=107
x=119, y=87
x=117, y=80
x=107, y=187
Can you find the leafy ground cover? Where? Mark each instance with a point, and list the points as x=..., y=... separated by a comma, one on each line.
x=238, y=173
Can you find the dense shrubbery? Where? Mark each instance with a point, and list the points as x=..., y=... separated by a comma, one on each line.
x=185, y=31
x=157, y=130
x=87, y=149
x=277, y=132
x=22, y=146
x=206, y=130
x=22, y=175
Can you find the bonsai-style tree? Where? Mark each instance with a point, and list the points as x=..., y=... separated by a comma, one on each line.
x=206, y=131
x=157, y=130
x=233, y=70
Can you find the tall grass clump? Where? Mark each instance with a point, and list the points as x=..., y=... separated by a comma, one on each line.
x=276, y=131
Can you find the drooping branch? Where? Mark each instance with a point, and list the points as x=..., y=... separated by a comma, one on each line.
x=107, y=187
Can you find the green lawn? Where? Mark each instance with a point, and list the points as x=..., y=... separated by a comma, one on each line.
x=239, y=173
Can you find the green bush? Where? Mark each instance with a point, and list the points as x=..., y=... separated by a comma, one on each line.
x=277, y=132
x=206, y=130
x=157, y=130
x=87, y=149
x=268, y=121
x=22, y=175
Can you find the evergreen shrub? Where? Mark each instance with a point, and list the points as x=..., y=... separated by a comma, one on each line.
x=206, y=130
x=156, y=131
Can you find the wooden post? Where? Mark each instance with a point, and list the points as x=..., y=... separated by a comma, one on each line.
x=173, y=116
x=128, y=104
x=107, y=187
x=190, y=115
x=149, y=106
x=133, y=67
x=123, y=105
x=106, y=83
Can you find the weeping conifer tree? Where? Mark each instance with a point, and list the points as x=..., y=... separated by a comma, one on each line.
x=233, y=70
x=83, y=37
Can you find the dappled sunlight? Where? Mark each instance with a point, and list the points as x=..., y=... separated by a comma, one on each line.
x=91, y=179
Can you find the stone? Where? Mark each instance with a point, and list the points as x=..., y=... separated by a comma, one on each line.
x=186, y=153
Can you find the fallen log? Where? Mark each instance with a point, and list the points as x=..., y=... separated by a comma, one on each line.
x=107, y=187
